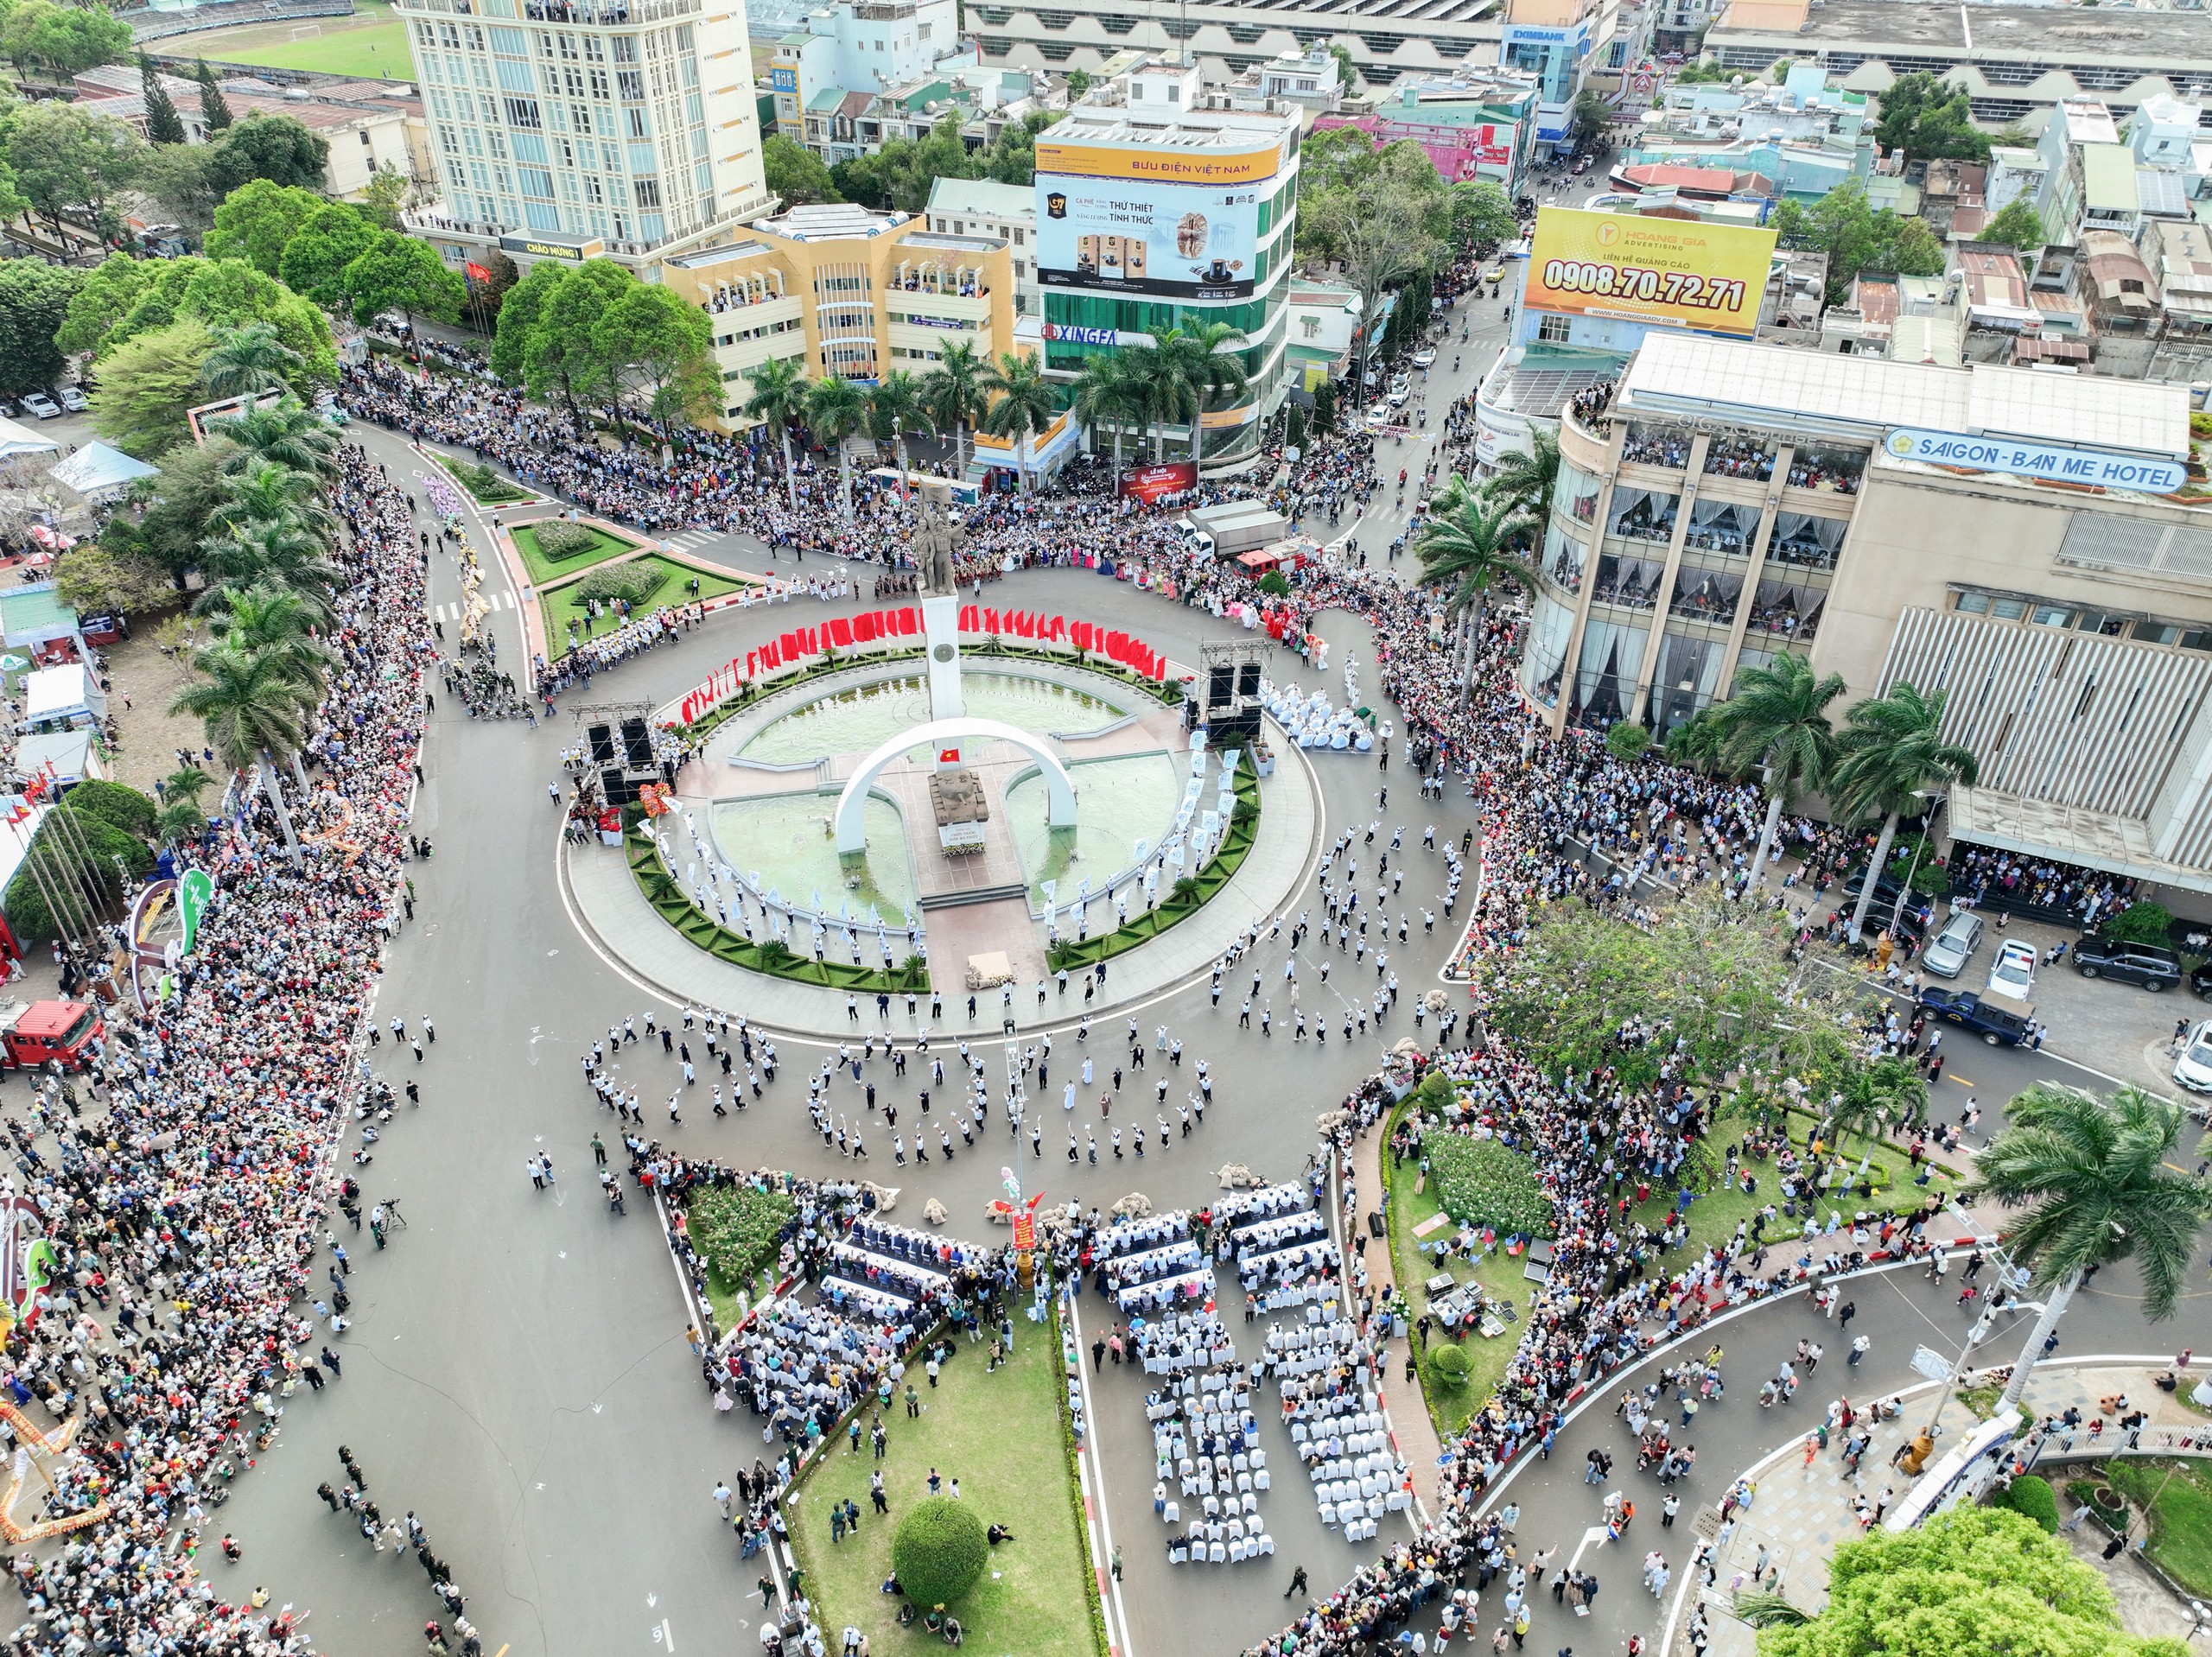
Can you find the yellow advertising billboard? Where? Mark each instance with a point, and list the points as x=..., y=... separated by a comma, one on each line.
x=1670, y=271
x=1160, y=166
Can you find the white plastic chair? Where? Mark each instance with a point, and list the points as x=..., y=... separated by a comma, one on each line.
x=1173, y=1514
x=1266, y=1543
x=1216, y=1552
x=1260, y=1480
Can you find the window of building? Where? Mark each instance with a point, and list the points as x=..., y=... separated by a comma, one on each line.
x=2008, y=609
x=1974, y=604
x=1554, y=330
x=2051, y=615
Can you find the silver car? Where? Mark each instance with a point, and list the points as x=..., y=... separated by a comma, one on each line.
x=2193, y=1067
x=1949, y=950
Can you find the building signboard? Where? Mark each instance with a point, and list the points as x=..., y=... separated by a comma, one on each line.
x=1667, y=271
x=572, y=249
x=1182, y=241
x=2099, y=468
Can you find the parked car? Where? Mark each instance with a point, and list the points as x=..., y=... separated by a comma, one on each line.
x=9, y=409
x=72, y=399
x=2152, y=965
x=2200, y=981
x=2193, y=1067
x=1425, y=358
x=2013, y=972
x=1952, y=948
x=2000, y=1027
x=37, y=403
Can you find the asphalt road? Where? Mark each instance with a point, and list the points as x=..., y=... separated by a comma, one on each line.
x=516, y=1374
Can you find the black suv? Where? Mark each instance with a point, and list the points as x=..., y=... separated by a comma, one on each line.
x=2152, y=965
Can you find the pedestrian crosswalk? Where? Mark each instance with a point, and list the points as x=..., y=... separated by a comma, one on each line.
x=495, y=601
x=695, y=537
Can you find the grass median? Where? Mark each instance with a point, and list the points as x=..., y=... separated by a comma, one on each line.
x=999, y=1434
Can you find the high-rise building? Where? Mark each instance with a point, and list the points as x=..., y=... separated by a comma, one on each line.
x=1153, y=214
x=566, y=127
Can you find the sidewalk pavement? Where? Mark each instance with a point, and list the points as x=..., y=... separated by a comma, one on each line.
x=615, y=910
x=1412, y=1430
x=1802, y=1509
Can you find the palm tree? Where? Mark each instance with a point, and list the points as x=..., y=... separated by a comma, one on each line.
x=247, y=361
x=1776, y=721
x=287, y=432
x=836, y=408
x=1106, y=390
x=1467, y=543
x=2098, y=1182
x=249, y=709
x=1023, y=404
x=1199, y=362
x=1163, y=391
x=779, y=388
x=275, y=623
x=895, y=407
x=954, y=393
x=1891, y=756
x=1524, y=480
x=264, y=491
x=272, y=551
x=1876, y=1097
x=186, y=783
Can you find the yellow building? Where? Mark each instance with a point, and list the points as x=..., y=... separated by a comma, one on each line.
x=845, y=290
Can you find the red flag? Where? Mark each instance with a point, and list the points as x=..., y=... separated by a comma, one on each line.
x=970, y=619
x=910, y=621
x=991, y=622
x=948, y=756
x=841, y=632
x=866, y=625
x=1059, y=628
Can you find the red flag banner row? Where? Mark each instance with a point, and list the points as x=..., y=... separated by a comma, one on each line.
x=801, y=644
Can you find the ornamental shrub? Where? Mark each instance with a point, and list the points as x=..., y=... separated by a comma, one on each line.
x=2142, y=923
x=126, y=808
x=1627, y=740
x=1275, y=584
x=2033, y=1498
x=738, y=1230
x=938, y=1551
x=1447, y=1364
x=633, y=583
x=557, y=538
x=1482, y=1182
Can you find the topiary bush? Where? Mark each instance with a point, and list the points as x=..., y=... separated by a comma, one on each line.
x=1447, y=1364
x=1275, y=584
x=1627, y=740
x=1482, y=1182
x=633, y=582
x=126, y=808
x=59, y=863
x=2033, y=1498
x=938, y=1551
x=557, y=538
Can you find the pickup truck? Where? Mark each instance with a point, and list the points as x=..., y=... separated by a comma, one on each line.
x=1998, y=1025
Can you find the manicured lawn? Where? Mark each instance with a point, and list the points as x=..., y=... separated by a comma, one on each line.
x=999, y=1435
x=544, y=570
x=1499, y=1274
x=2181, y=1516
x=563, y=603
x=370, y=43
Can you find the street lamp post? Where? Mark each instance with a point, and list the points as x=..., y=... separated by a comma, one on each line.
x=1934, y=809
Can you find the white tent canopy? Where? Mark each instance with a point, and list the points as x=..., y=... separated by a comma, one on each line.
x=16, y=439
x=97, y=472
x=70, y=753
x=65, y=695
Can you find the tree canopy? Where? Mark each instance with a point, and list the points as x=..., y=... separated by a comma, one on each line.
x=35, y=300
x=2018, y=225
x=257, y=220
x=63, y=39
x=274, y=148
x=1856, y=238
x=1931, y=120
x=314, y=259
x=899, y=175
x=795, y=173
x=1976, y=1582
x=147, y=384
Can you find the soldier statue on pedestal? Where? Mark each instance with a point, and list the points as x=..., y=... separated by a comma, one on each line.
x=936, y=537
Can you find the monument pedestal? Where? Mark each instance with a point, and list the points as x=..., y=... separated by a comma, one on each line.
x=941, y=638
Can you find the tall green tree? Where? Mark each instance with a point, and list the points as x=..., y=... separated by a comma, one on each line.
x=248, y=708
x=1023, y=404
x=1465, y=543
x=779, y=397
x=277, y=147
x=2092, y=1182
x=1776, y=723
x=174, y=177
x=1524, y=478
x=795, y=173
x=519, y=315
x=896, y=408
x=147, y=384
x=398, y=273
x=215, y=108
x=2018, y=225
x=35, y=298
x=1891, y=756
x=562, y=357
x=1202, y=359
x=1482, y=215
x=318, y=250
x=273, y=624
x=285, y=432
x=836, y=409
x=262, y=491
x=257, y=219
x=1929, y=119
x=103, y=297
x=68, y=160
x=64, y=40
x=277, y=553
x=662, y=348
x=954, y=392
x=1856, y=238
x=163, y=123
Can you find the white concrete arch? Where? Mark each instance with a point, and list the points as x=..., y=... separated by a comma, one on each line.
x=939, y=735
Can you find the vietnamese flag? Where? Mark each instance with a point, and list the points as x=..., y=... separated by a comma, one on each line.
x=948, y=756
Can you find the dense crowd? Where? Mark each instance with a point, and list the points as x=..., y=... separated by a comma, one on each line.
x=183, y=1198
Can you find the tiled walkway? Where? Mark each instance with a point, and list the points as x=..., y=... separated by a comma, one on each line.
x=1802, y=1511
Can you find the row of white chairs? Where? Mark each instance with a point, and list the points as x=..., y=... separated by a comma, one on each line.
x=1359, y=1530
x=1229, y=1552
x=1355, y=1467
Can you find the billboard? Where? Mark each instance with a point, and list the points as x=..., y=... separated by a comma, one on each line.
x=1667, y=271
x=1149, y=482
x=1179, y=241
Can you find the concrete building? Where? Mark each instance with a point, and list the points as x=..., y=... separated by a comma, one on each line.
x=371, y=126
x=1151, y=214
x=1005, y=213
x=1471, y=126
x=2016, y=537
x=2017, y=62
x=631, y=123
x=861, y=46
x=845, y=291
